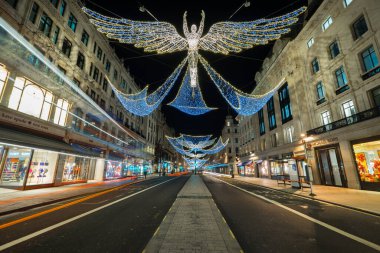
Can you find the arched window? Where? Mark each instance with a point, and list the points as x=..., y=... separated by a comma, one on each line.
x=3, y=78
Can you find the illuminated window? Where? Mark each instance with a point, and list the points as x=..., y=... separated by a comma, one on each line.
x=348, y=108
x=3, y=78
x=369, y=59
x=45, y=24
x=327, y=23
x=61, y=112
x=347, y=2
x=310, y=42
x=326, y=119
x=72, y=22
x=31, y=99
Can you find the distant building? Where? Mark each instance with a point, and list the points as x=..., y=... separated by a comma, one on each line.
x=326, y=112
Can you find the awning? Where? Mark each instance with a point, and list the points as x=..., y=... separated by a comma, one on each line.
x=12, y=136
x=246, y=163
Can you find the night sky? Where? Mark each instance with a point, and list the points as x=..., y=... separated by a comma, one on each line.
x=238, y=69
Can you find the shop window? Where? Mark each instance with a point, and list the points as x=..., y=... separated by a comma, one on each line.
x=320, y=91
x=334, y=49
x=34, y=12
x=80, y=60
x=42, y=167
x=72, y=22
x=348, y=108
x=286, y=111
x=61, y=110
x=359, y=27
x=3, y=78
x=367, y=156
x=261, y=122
x=369, y=59
x=85, y=37
x=310, y=42
x=75, y=168
x=327, y=23
x=45, y=24
x=114, y=169
x=31, y=99
x=341, y=78
x=271, y=114
x=55, y=35
x=66, y=47
x=12, y=3
x=15, y=166
x=62, y=8
x=315, y=65
x=347, y=2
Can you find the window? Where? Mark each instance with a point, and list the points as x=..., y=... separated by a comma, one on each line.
x=320, y=91
x=3, y=78
x=334, y=49
x=359, y=27
x=235, y=130
x=115, y=74
x=93, y=94
x=341, y=79
x=310, y=42
x=62, y=8
x=236, y=140
x=261, y=122
x=54, y=3
x=112, y=94
x=102, y=104
x=228, y=123
x=45, y=24
x=271, y=114
x=72, y=22
x=95, y=76
x=55, y=35
x=228, y=130
x=85, y=37
x=76, y=81
x=94, y=49
x=33, y=13
x=369, y=59
x=66, y=47
x=100, y=53
x=12, y=3
x=286, y=110
x=288, y=134
x=31, y=99
x=236, y=150
x=326, y=119
x=229, y=150
x=80, y=60
x=105, y=85
x=376, y=96
x=347, y=2
x=348, y=108
x=327, y=23
x=273, y=140
x=60, y=114
x=315, y=65
x=108, y=66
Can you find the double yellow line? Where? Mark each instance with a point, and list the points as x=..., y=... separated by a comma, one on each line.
x=5, y=225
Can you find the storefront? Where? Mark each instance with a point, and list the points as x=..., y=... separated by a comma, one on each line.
x=367, y=157
x=113, y=169
x=330, y=165
x=263, y=168
x=42, y=168
x=14, y=164
x=247, y=168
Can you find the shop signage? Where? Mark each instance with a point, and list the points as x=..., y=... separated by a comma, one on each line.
x=323, y=142
x=287, y=155
x=23, y=121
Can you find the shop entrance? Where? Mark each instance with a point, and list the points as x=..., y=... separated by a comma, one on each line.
x=330, y=166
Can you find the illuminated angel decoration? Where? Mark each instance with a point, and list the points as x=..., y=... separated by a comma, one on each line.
x=222, y=38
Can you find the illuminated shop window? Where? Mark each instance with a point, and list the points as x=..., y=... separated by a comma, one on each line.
x=31, y=99
x=61, y=112
x=3, y=78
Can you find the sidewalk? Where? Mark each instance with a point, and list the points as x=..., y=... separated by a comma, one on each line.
x=368, y=201
x=15, y=200
x=193, y=224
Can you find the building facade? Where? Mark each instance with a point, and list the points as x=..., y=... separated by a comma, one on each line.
x=61, y=121
x=323, y=122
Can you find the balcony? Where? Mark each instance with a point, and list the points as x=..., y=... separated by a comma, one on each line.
x=356, y=118
x=371, y=73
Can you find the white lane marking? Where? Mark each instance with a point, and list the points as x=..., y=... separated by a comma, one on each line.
x=42, y=231
x=321, y=223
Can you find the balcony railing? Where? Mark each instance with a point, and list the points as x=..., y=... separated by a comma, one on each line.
x=356, y=118
x=371, y=73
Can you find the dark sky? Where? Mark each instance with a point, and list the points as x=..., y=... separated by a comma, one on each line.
x=239, y=70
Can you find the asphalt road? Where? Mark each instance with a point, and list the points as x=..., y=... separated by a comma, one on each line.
x=263, y=226
x=124, y=226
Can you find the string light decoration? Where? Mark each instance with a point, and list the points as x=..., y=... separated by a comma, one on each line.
x=189, y=99
x=222, y=38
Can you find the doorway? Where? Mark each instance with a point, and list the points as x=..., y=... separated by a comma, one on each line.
x=330, y=166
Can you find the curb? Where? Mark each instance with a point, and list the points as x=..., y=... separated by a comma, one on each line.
x=26, y=208
x=316, y=199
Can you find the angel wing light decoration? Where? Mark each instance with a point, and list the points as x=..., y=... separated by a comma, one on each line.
x=222, y=38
